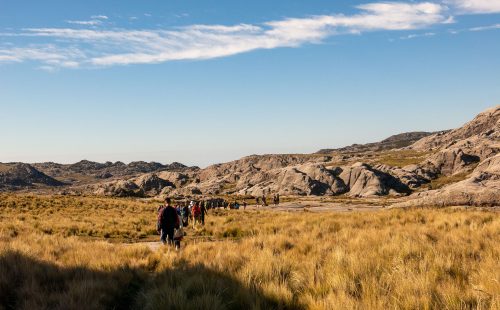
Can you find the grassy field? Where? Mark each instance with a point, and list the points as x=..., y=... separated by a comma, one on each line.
x=74, y=252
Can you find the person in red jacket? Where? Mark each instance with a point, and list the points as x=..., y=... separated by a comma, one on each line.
x=196, y=213
x=168, y=221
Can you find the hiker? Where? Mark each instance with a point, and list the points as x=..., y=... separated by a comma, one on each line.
x=185, y=215
x=196, y=211
x=203, y=211
x=244, y=205
x=264, y=203
x=168, y=221
x=277, y=199
x=178, y=209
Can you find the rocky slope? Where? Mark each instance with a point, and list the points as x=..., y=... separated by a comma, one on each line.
x=15, y=176
x=84, y=172
x=457, y=153
x=470, y=152
x=481, y=188
x=357, y=175
x=20, y=175
x=393, y=142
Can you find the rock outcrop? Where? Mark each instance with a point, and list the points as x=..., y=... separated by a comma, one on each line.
x=364, y=181
x=481, y=188
x=121, y=188
x=448, y=162
x=301, y=180
x=19, y=175
x=458, y=152
x=147, y=185
x=152, y=185
x=413, y=176
x=479, y=137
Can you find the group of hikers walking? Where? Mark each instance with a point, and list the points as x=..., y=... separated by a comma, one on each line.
x=172, y=219
x=262, y=201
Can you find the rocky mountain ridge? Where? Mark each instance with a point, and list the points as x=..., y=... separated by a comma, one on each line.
x=410, y=171
x=393, y=142
x=15, y=175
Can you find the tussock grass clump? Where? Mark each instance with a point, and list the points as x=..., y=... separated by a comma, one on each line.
x=387, y=259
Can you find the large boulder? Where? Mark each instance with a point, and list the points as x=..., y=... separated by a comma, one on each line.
x=450, y=161
x=151, y=184
x=121, y=188
x=307, y=179
x=179, y=179
x=364, y=181
x=412, y=176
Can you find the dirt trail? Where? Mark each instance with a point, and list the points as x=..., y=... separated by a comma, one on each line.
x=318, y=206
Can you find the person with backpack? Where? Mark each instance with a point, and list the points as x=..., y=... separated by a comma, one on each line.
x=168, y=222
x=196, y=213
x=203, y=210
x=186, y=214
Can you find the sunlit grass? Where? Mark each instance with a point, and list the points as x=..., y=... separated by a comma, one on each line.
x=388, y=259
x=402, y=158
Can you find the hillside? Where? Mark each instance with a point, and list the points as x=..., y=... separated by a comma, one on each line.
x=397, y=172
x=20, y=175
x=16, y=176
x=428, y=166
x=393, y=142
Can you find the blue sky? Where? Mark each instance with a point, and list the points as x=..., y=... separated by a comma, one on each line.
x=209, y=81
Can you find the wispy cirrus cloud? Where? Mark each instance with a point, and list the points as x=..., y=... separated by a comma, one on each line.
x=417, y=35
x=85, y=22
x=95, y=20
x=48, y=54
x=101, y=47
x=99, y=17
x=484, y=28
x=475, y=6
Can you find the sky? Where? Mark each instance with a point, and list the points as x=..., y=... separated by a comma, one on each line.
x=201, y=82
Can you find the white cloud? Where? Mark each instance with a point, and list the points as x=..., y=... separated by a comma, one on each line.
x=48, y=54
x=476, y=6
x=98, y=17
x=418, y=35
x=84, y=22
x=483, y=28
x=123, y=46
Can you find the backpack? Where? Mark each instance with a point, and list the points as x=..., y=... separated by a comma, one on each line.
x=196, y=211
x=158, y=221
x=168, y=217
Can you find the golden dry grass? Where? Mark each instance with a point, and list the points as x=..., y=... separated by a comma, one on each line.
x=401, y=158
x=442, y=181
x=390, y=259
